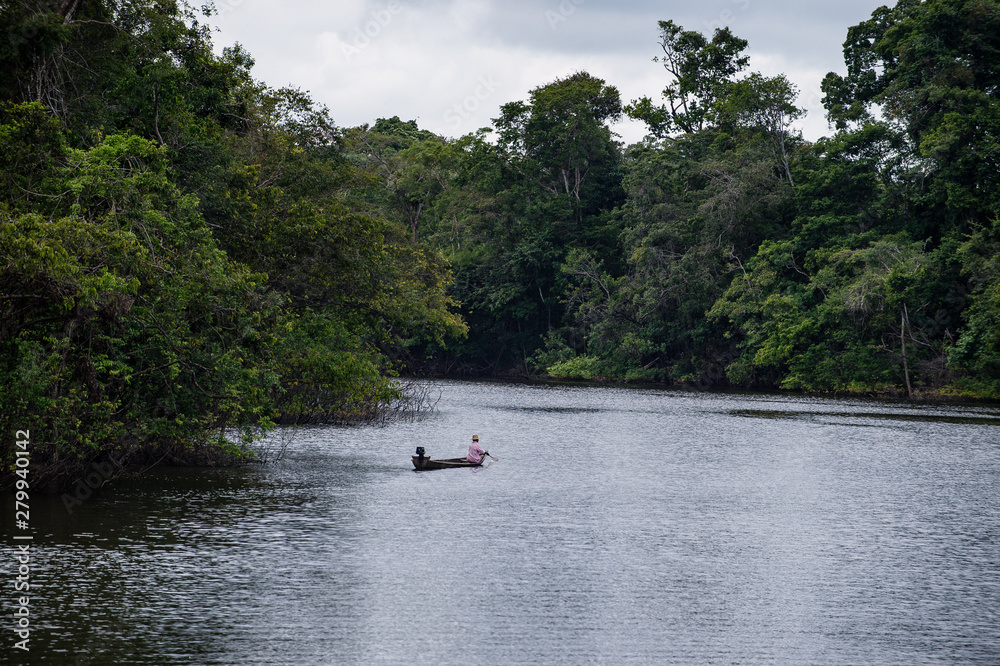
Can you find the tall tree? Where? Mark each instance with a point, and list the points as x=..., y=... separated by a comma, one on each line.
x=700, y=70
x=516, y=207
x=698, y=205
x=929, y=69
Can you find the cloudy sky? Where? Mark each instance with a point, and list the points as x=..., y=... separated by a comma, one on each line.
x=450, y=64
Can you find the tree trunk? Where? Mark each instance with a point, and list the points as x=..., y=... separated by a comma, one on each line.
x=902, y=341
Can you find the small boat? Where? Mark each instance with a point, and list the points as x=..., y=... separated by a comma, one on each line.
x=420, y=461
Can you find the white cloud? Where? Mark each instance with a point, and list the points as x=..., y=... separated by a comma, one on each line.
x=451, y=64
x=807, y=79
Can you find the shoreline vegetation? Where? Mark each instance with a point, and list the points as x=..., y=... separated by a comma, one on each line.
x=190, y=258
x=884, y=393
x=876, y=393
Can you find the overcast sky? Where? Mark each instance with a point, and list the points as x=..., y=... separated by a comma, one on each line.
x=451, y=64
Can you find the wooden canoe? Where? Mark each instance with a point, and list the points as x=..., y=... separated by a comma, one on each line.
x=423, y=462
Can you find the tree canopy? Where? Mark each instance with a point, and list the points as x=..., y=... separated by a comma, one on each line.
x=190, y=256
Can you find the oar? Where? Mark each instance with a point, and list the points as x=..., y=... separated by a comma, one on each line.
x=491, y=457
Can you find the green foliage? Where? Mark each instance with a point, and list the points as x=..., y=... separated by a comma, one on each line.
x=554, y=351
x=733, y=251
x=930, y=68
x=408, y=169
x=507, y=213
x=578, y=367
x=841, y=266
x=188, y=254
x=106, y=356
x=976, y=353
x=700, y=70
x=329, y=375
x=842, y=322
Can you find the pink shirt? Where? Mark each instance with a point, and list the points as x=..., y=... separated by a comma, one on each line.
x=475, y=452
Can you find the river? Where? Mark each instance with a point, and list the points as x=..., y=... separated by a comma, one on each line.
x=619, y=525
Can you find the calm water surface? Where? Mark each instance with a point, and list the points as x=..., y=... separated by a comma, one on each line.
x=618, y=526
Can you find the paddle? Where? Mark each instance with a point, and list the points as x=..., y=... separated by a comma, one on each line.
x=487, y=453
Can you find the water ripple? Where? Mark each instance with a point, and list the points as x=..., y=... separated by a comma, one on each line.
x=618, y=526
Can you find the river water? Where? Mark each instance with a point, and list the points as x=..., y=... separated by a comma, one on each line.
x=618, y=526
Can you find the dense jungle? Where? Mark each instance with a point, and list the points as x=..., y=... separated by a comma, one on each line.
x=191, y=256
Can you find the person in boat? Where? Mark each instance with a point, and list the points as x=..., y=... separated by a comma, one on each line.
x=476, y=452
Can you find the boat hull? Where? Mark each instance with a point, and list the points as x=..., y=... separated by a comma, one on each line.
x=447, y=463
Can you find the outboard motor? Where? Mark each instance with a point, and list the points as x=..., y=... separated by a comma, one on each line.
x=420, y=455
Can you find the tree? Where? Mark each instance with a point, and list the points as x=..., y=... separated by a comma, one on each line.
x=928, y=68
x=697, y=207
x=700, y=70
x=513, y=209
x=188, y=254
x=409, y=166
x=106, y=354
x=557, y=138
x=975, y=355
x=762, y=105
